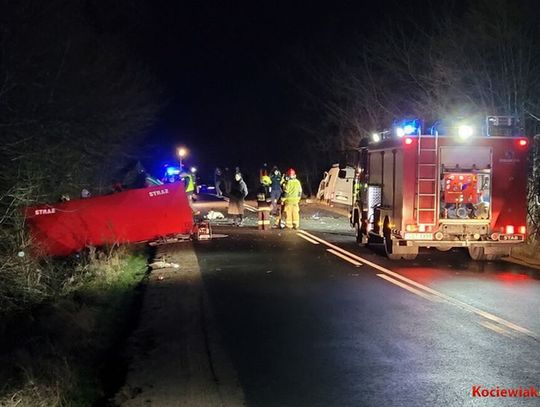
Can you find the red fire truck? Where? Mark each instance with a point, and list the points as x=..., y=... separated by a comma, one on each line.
x=461, y=187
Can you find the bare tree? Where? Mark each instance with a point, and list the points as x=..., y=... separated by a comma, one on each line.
x=73, y=101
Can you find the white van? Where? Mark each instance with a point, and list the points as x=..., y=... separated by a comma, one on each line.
x=336, y=187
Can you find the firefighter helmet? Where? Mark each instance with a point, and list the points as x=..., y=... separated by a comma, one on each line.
x=266, y=180
x=291, y=173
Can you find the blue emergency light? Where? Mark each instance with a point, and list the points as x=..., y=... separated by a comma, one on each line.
x=407, y=127
x=173, y=170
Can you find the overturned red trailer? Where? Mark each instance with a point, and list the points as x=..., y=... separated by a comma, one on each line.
x=135, y=215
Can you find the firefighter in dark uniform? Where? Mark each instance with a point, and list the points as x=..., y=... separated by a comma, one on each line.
x=263, y=203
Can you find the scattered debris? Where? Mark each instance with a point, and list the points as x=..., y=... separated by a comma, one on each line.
x=316, y=216
x=214, y=215
x=170, y=239
x=163, y=265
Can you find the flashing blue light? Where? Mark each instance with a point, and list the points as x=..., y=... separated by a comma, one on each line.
x=407, y=127
x=173, y=170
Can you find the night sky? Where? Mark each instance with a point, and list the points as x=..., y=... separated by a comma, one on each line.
x=235, y=74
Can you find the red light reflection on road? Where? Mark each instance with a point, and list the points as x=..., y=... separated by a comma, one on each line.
x=423, y=275
x=509, y=277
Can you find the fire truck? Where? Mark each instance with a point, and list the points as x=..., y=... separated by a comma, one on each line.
x=461, y=185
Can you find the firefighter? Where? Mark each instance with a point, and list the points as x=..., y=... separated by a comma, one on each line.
x=263, y=202
x=189, y=186
x=292, y=192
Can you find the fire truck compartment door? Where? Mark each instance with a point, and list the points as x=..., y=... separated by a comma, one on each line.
x=465, y=157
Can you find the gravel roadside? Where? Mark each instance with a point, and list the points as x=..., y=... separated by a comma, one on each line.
x=176, y=357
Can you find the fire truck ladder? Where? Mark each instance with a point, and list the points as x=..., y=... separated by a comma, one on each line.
x=426, y=176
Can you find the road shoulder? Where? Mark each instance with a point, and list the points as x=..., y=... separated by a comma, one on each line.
x=176, y=356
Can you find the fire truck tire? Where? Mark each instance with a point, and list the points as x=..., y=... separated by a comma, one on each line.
x=358, y=233
x=361, y=235
x=409, y=256
x=477, y=253
x=444, y=248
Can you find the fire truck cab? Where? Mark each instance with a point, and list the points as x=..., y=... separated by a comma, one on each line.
x=461, y=187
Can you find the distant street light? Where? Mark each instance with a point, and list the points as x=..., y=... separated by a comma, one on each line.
x=182, y=152
x=193, y=170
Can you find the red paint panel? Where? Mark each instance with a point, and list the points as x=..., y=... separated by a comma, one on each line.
x=131, y=216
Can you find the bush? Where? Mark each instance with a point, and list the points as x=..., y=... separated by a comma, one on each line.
x=54, y=351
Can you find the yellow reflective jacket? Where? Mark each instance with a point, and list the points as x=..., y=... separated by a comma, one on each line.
x=189, y=184
x=293, y=191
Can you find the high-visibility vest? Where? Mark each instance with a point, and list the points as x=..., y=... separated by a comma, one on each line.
x=190, y=187
x=293, y=191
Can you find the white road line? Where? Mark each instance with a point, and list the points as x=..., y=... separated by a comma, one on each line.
x=247, y=206
x=250, y=208
x=451, y=300
x=408, y=287
x=495, y=328
x=336, y=248
x=309, y=239
x=335, y=253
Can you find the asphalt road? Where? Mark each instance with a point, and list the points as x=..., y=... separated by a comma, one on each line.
x=304, y=326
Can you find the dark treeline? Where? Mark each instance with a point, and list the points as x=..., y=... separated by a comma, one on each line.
x=73, y=104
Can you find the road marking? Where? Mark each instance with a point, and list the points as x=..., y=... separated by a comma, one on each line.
x=495, y=328
x=250, y=208
x=336, y=248
x=335, y=253
x=408, y=288
x=309, y=239
x=247, y=206
x=449, y=299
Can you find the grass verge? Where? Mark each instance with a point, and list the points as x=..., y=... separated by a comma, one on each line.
x=63, y=352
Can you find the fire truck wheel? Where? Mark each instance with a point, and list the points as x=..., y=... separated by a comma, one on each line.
x=409, y=256
x=358, y=233
x=394, y=256
x=443, y=248
x=477, y=253
x=493, y=257
x=361, y=237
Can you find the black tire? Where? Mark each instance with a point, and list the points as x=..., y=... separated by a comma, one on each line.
x=477, y=253
x=358, y=232
x=443, y=248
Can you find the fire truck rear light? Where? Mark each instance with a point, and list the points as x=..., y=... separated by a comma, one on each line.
x=495, y=236
x=408, y=140
x=439, y=236
x=523, y=142
x=509, y=229
x=522, y=230
x=411, y=228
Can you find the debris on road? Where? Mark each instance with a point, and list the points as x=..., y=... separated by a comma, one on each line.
x=163, y=265
x=214, y=215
